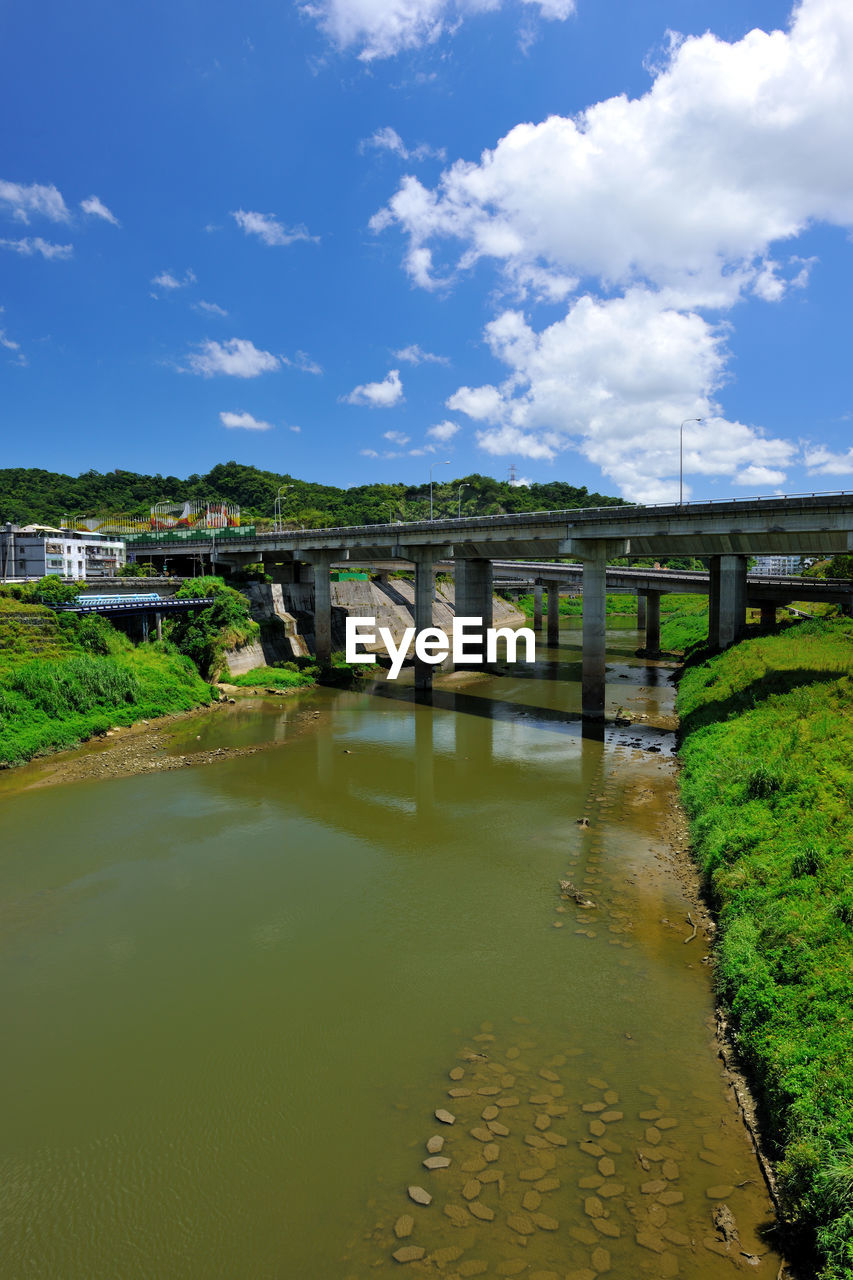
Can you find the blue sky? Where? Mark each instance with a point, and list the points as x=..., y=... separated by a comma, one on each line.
x=352, y=238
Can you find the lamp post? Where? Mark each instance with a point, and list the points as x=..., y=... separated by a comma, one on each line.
x=446, y=463
x=681, y=459
x=461, y=487
x=277, y=507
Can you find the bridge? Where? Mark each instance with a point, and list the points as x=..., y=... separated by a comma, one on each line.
x=145, y=606
x=727, y=532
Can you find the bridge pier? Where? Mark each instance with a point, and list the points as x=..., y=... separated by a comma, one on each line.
x=727, y=600
x=641, y=610
x=768, y=615
x=158, y=620
x=537, y=606
x=474, y=589
x=594, y=634
x=424, y=595
x=321, y=562
x=553, y=634
x=653, y=621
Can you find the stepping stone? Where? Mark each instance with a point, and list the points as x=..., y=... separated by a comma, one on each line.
x=434, y=1144
x=593, y=1208
x=556, y=1139
x=506, y=1102
x=542, y=1122
x=547, y=1184
x=721, y=1192
x=607, y=1228
x=512, y=1267
x=710, y=1158
x=507, y=1081
x=591, y=1182
x=615, y=1149
x=670, y=1170
x=489, y=1091
x=457, y=1073
x=441, y=1257
x=539, y=1099
x=472, y=1267
x=520, y=1224
x=597, y=1082
x=547, y=1074
x=670, y=1197
x=653, y=1136
x=593, y=1106
x=404, y=1226
x=606, y=1167
x=491, y=1152
x=531, y=1175
x=475, y=1165
x=481, y=1134
x=667, y=1123
x=600, y=1260
x=650, y=1115
x=650, y=1240
x=531, y=1200
x=409, y=1253
x=611, y=1097
x=591, y=1148
x=459, y=1093
x=457, y=1215
x=489, y=1113
x=610, y=1117
x=513, y=1053
x=533, y=1140
x=481, y=1211
x=597, y=1129
x=584, y=1236
x=446, y=1117
x=675, y=1237
x=436, y=1162
x=546, y=1159
x=471, y=1189
x=652, y=1188
x=419, y=1195
x=499, y=1130
x=610, y=1189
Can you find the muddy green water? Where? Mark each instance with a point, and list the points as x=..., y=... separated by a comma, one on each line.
x=234, y=996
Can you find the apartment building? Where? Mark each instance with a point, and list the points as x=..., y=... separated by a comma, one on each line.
x=32, y=551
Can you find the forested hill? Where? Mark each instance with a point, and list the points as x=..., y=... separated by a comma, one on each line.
x=28, y=495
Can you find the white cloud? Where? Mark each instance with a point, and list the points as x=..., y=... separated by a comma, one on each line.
x=169, y=281
x=735, y=147
x=443, y=430
x=210, y=308
x=267, y=228
x=237, y=357
x=378, y=395
x=614, y=380
x=24, y=201
x=296, y=429
x=380, y=30
x=368, y=453
x=396, y=437
x=823, y=462
x=303, y=362
x=30, y=245
x=243, y=422
x=10, y=345
x=388, y=139
x=97, y=209
x=416, y=355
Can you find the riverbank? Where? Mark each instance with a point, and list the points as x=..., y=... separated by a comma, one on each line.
x=766, y=750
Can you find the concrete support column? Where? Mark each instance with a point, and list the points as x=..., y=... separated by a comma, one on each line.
x=424, y=596
x=474, y=591
x=144, y=628
x=537, y=606
x=322, y=611
x=641, y=610
x=653, y=621
x=553, y=634
x=768, y=615
x=594, y=635
x=158, y=618
x=727, y=603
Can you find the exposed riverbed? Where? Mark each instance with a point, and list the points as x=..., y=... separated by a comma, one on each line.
x=239, y=993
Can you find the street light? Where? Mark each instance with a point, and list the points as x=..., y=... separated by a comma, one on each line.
x=461, y=487
x=681, y=459
x=277, y=507
x=446, y=463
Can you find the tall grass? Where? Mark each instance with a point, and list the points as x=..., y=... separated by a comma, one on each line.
x=767, y=782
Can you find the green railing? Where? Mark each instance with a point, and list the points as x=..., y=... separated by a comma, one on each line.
x=189, y=535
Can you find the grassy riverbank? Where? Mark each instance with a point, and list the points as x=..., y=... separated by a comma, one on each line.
x=767, y=783
x=64, y=679
x=625, y=606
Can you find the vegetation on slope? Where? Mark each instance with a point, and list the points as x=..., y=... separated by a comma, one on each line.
x=205, y=635
x=29, y=494
x=767, y=783
x=64, y=678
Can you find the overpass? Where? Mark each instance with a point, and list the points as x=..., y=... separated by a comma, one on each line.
x=727, y=532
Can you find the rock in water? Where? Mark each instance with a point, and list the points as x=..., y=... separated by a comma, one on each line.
x=419, y=1195
x=434, y=1144
x=446, y=1117
x=409, y=1253
x=404, y=1226
x=724, y=1221
x=436, y=1162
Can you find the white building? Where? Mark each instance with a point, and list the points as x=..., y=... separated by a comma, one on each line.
x=778, y=566
x=37, y=550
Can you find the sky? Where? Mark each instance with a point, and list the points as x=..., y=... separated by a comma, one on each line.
x=360, y=240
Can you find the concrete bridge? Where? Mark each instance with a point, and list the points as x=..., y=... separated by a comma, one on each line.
x=727, y=532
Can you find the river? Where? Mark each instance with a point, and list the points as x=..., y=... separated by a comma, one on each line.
x=235, y=996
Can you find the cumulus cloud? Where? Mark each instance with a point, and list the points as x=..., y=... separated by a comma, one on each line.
x=34, y=244
x=303, y=362
x=380, y=30
x=9, y=344
x=243, y=422
x=614, y=379
x=396, y=437
x=443, y=430
x=820, y=461
x=268, y=229
x=92, y=205
x=388, y=139
x=237, y=357
x=734, y=148
x=295, y=429
x=170, y=282
x=416, y=355
x=378, y=395
x=24, y=201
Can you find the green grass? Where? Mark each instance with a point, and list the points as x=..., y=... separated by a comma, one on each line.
x=767, y=782
x=275, y=677
x=64, y=679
